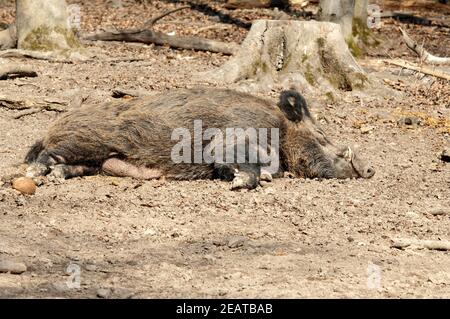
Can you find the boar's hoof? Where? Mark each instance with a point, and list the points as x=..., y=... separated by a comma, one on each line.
x=35, y=170
x=244, y=180
x=265, y=176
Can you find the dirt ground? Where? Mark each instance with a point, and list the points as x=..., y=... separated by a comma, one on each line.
x=294, y=238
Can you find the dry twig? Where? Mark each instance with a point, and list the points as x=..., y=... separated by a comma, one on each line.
x=428, y=244
x=422, y=69
x=423, y=54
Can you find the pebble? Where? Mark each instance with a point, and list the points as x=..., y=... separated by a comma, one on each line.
x=90, y=267
x=264, y=183
x=149, y=232
x=20, y=201
x=25, y=185
x=103, y=293
x=367, y=129
x=409, y=120
x=445, y=155
x=12, y=267
x=123, y=293
x=439, y=211
x=236, y=241
x=60, y=287
x=411, y=214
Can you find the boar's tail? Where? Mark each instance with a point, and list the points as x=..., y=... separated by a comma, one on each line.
x=293, y=104
x=34, y=152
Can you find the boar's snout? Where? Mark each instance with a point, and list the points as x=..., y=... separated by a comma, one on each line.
x=359, y=167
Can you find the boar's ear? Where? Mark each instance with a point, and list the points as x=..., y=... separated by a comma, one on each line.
x=293, y=105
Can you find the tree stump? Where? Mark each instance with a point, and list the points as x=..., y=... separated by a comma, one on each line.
x=299, y=54
x=44, y=26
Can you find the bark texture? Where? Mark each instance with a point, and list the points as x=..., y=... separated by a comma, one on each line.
x=44, y=26
x=293, y=53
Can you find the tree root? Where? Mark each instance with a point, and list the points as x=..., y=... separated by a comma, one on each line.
x=309, y=55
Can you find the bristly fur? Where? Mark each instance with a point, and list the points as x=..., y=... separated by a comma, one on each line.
x=140, y=131
x=34, y=151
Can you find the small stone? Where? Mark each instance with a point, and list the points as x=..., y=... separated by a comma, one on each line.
x=122, y=293
x=12, y=267
x=445, y=155
x=288, y=175
x=409, y=120
x=115, y=4
x=90, y=267
x=236, y=241
x=439, y=211
x=20, y=201
x=103, y=293
x=149, y=232
x=264, y=183
x=115, y=183
x=411, y=214
x=60, y=286
x=25, y=185
x=367, y=129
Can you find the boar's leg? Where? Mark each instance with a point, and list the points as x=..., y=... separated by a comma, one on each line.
x=117, y=167
x=63, y=171
x=241, y=175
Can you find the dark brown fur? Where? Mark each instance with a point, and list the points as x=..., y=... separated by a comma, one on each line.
x=139, y=132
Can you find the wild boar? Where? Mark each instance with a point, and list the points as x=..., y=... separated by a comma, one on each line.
x=140, y=138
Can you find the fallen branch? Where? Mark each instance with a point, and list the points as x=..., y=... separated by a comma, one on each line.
x=406, y=17
x=150, y=36
x=146, y=35
x=423, y=54
x=16, y=71
x=417, y=243
x=247, y=4
x=26, y=113
x=421, y=69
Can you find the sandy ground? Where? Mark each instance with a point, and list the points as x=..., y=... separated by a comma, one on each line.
x=291, y=239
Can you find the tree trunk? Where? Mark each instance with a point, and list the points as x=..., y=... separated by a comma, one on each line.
x=302, y=54
x=360, y=10
x=352, y=16
x=44, y=26
x=338, y=11
x=8, y=38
